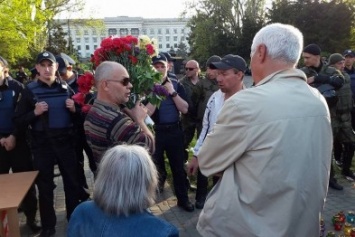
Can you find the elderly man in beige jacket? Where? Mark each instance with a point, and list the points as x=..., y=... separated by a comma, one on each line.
x=271, y=145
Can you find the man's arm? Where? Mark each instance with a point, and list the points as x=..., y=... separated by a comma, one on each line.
x=227, y=141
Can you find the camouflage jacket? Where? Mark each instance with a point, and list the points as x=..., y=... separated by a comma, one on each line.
x=205, y=88
x=192, y=98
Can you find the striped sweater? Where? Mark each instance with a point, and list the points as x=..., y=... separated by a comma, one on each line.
x=106, y=125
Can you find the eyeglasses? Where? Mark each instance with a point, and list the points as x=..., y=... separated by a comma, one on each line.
x=189, y=68
x=124, y=82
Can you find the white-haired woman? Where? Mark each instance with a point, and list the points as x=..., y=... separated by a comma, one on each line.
x=124, y=189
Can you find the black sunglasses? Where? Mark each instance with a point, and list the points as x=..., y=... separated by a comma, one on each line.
x=189, y=68
x=124, y=82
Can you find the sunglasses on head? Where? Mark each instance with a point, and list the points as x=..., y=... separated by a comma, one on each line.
x=189, y=68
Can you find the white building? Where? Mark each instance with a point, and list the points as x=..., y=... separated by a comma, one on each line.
x=169, y=32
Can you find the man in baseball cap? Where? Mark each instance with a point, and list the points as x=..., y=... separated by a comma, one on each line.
x=45, y=56
x=160, y=58
x=230, y=61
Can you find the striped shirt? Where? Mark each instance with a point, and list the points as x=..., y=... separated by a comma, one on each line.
x=106, y=125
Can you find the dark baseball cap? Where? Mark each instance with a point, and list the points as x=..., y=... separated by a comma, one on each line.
x=230, y=61
x=62, y=64
x=45, y=56
x=212, y=59
x=160, y=58
x=168, y=56
x=349, y=52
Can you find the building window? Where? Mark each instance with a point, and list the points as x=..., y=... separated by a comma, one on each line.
x=159, y=31
x=86, y=32
x=95, y=46
x=175, y=45
x=123, y=32
x=78, y=40
x=160, y=46
x=94, y=39
x=160, y=38
x=87, y=47
x=94, y=32
x=182, y=30
x=182, y=38
x=167, y=31
x=175, y=31
x=135, y=31
x=168, y=46
x=152, y=31
x=167, y=38
x=78, y=47
x=175, y=38
x=112, y=31
x=86, y=40
x=144, y=31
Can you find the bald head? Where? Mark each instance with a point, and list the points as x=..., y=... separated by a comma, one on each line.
x=107, y=70
x=192, y=63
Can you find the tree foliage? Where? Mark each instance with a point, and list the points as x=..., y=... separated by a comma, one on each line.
x=223, y=26
x=24, y=26
x=328, y=24
x=228, y=26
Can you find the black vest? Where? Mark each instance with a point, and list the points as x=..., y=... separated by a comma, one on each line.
x=58, y=116
x=6, y=111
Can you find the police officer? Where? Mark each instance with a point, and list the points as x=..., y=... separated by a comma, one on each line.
x=14, y=150
x=168, y=134
x=46, y=107
x=341, y=119
x=327, y=80
x=70, y=76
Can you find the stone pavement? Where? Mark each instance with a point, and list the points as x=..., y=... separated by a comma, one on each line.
x=186, y=222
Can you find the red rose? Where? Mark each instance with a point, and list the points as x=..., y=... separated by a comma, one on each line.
x=85, y=82
x=150, y=49
x=133, y=59
x=79, y=98
x=85, y=109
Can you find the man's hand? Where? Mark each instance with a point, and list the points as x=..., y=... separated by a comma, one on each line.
x=69, y=103
x=310, y=80
x=137, y=113
x=40, y=108
x=9, y=142
x=192, y=167
x=169, y=86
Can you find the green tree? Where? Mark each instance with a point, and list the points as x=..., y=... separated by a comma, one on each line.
x=56, y=41
x=181, y=50
x=218, y=27
x=328, y=24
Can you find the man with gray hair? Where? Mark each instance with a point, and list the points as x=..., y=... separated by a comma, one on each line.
x=108, y=123
x=271, y=146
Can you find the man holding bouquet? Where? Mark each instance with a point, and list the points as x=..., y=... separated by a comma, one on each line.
x=108, y=123
x=169, y=135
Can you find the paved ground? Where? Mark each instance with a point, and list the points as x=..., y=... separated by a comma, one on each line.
x=186, y=222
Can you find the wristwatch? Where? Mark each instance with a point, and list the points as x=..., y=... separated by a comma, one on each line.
x=174, y=94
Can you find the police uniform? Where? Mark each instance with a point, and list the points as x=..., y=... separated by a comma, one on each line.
x=52, y=140
x=169, y=138
x=18, y=159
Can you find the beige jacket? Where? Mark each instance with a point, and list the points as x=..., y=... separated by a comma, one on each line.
x=273, y=145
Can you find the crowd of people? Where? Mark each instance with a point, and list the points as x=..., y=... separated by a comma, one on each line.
x=268, y=148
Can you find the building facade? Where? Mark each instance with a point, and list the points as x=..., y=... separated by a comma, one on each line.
x=169, y=32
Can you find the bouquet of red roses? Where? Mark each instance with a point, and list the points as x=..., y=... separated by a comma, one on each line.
x=135, y=54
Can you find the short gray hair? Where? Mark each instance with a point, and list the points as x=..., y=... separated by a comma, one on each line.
x=283, y=42
x=127, y=180
x=105, y=70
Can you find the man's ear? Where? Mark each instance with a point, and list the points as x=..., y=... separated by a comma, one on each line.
x=261, y=52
